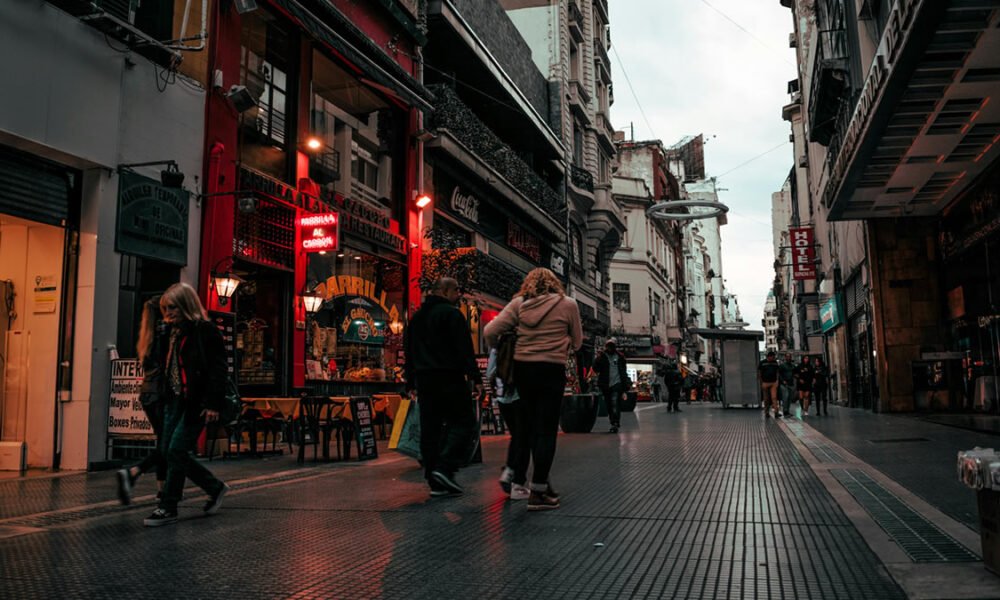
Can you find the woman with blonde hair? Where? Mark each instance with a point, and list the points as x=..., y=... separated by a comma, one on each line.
x=149, y=348
x=548, y=328
x=194, y=385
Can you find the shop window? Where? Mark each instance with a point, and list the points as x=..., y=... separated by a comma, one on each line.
x=622, y=297
x=262, y=315
x=357, y=335
x=265, y=47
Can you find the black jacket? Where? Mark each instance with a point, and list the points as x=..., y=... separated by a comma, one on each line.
x=203, y=365
x=438, y=340
x=602, y=366
x=768, y=371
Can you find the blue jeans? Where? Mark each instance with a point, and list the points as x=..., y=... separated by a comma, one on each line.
x=182, y=424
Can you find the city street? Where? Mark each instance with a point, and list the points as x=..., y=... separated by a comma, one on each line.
x=709, y=503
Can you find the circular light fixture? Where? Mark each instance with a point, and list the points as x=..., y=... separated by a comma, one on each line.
x=225, y=285
x=664, y=210
x=314, y=143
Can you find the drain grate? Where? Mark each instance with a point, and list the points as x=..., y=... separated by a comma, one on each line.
x=919, y=538
x=897, y=440
x=822, y=452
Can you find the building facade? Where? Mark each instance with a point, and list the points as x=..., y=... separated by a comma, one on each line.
x=901, y=159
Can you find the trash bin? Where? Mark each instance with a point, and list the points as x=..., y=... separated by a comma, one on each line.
x=988, y=502
x=578, y=413
x=628, y=405
x=979, y=469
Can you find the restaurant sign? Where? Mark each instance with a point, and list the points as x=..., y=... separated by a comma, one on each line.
x=319, y=233
x=803, y=253
x=370, y=223
x=524, y=242
x=830, y=314
x=253, y=181
x=465, y=205
x=152, y=219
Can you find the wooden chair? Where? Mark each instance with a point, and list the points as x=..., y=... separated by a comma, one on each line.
x=311, y=409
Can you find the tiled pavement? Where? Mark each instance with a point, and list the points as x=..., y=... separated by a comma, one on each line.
x=706, y=504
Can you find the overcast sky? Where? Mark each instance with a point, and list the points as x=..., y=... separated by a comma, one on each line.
x=695, y=71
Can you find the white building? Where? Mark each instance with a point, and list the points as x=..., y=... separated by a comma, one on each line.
x=771, y=326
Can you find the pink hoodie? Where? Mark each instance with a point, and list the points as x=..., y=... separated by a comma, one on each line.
x=539, y=339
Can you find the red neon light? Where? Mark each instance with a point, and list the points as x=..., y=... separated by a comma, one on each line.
x=319, y=233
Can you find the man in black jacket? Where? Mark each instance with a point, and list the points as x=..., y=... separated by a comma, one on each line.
x=441, y=371
x=613, y=380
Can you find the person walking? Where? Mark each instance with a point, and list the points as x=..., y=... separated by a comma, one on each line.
x=820, y=383
x=548, y=329
x=659, y=372
x=441, y=374
x=194, y=382
x=673, y=380
x=803, y=383
x=512, y=483
x=612, y=379
x=768, y=370
x=786, y=384
x=149, y=349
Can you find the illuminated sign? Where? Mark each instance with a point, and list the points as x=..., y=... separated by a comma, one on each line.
x=803, y=253
x=319, y=233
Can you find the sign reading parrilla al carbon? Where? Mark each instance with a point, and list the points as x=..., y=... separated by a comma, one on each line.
x=319, y=233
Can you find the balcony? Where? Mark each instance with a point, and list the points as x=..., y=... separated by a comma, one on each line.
x=581, y=178
x=475, y=271
x=117, y=20
x=576, y=21
x=605, y=132
x=829, y=82
x=602, y=8
x=601, y=61
x=451, y=114
x=579, y=100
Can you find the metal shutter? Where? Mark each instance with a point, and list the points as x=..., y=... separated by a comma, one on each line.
x=32, y=189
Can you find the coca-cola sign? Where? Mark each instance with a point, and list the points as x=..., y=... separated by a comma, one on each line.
x=465, y=205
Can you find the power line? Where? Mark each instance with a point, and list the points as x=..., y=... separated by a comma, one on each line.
x=745, y=30
x=632, y=89
x=747, y=162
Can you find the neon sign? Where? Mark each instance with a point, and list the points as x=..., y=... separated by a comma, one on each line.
x=319, y=233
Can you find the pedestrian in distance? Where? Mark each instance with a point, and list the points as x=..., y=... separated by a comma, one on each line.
x=548, y=329
x=612, y=379
x=786, y=383
x=441, y=373
x=149, y=347
x=659, y=372
x=194, y=385
x=673, y=380
x=768, y=370
x=804, y=382
x=518, y=452
x=820, y=383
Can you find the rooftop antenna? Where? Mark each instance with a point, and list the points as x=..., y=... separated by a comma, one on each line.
x=631, y=125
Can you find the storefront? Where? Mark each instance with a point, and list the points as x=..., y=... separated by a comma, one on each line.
x=640, y=361
x=39, y=225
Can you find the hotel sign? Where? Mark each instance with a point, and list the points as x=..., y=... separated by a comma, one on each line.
x=803, y=253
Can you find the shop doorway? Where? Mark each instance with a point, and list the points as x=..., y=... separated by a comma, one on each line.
x=859, y=356
x=263, y=330
x=141, y=279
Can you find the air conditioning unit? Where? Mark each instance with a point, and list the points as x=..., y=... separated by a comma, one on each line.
x=803, y=161
x=123, y=10
x=13, y=456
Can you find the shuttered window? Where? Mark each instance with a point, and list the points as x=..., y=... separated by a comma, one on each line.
x=32, y=189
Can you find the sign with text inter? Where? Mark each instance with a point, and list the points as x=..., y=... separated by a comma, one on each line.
x=319, y=233
x=803, y=253
x=125, y=414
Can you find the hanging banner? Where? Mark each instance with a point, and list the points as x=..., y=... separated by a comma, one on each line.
x=803, y=253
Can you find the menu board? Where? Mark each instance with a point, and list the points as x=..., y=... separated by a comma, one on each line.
x=226, y=322
x=364, y=430
x=482, y=362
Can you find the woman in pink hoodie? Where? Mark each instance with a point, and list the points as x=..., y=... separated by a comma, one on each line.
x=548, y=329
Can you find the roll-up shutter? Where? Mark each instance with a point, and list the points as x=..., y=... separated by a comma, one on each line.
x=33, y=189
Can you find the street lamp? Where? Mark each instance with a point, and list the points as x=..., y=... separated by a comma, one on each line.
x=312, y=300
x=225, y=283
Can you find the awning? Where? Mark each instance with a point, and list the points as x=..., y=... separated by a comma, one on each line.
x=390, y=78
x=728, y=334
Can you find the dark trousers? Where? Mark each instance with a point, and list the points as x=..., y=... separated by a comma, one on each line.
x=182, y=424
x=541, y=387
x=613, y=402
x=674, y=398
x=820, y=397
x=518, y=450
x=447, y=421
x=657, y=393
x=155, y=459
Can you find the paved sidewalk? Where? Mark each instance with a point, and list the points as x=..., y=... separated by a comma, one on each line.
x=710, y=503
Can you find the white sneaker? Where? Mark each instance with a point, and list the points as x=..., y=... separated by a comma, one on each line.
x=781, y=415
x=519, y=492
x=506, y=476
x=805, y=413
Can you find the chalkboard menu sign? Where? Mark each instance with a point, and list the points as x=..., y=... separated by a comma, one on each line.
x=364, y=430
x=226, y=322
x=482, y=362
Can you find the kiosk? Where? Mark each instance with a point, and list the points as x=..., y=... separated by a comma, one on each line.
x=739, y=356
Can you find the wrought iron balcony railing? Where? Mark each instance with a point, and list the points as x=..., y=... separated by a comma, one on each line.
x=452, y=114
x=581, y=178
x=830, y=80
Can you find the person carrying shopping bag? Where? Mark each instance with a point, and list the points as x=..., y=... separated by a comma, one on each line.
x=548, y=328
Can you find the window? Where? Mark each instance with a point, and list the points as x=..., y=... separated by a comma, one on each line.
x=576, y=240
x=263, y=70
x=577, y=144
x=364, y=172
x=574, y=62
x=657, y=308
x=622, y=297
